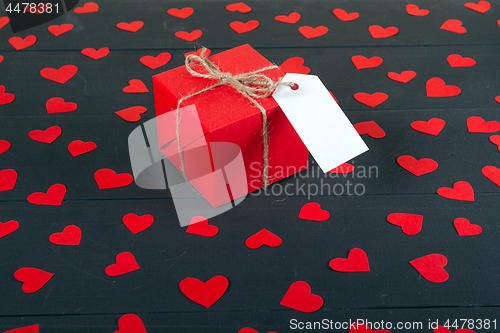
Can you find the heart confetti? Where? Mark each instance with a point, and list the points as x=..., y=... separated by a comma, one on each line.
x=379, y=32
x=136, y=223
x=125, y=263
x=461, y=191
x=5, y=98
x=431, y=267
x=495, y=139
x=33, y=278
x=25, y=329
x=294, y=65
x=263, y=237
x=8, y=178
x=181, y=13
x=480, y=7
x=58, y=105
x=411, y=224
x=189, y=36
x=4, y=21
x=199, y=226
x=61, y=75
x=239, y=7
x=456, y=60
x=465, y=228
x=344, y=16
x=135, y=86
x=492, y=173
x=204, y=293
x=372, y=100
x=404, y=77
x=21, y=43
x=131, y=27
x=357, y=261
x=433, y=126
x=343, y=169
x=437, y=88
x=453, y=25
x=312, y=211
x=241, y=27
x=479, y=125
x=58, y=30
x=8, y=227
x=53, y=197
x=310, y=32
x=300, y=298
x=71, y=235
x=132, y=114
x=371, y=128
x=414, y=10
x=292, y=18
x=155, y=62
x=95, y=54
x=417, y=167
x=47, y=136
x=89, y=7
x=362, y=62
x=4, y=146
x=130, y=323
x=107, y=178
x=78, y=147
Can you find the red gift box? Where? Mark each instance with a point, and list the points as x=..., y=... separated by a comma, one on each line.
x=226, y=115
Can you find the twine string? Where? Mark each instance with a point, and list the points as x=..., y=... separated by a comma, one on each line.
x=252, y=85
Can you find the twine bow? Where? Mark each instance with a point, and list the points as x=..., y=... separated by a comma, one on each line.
x=252, y=85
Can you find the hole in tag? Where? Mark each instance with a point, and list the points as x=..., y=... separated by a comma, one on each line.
x=295, y=86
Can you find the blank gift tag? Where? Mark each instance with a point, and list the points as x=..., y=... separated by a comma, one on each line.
x=319, y=121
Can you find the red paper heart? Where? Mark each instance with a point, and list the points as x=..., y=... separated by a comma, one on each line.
x=3, y=21
x=58, y=105
x=465, y=228
x=199, y=226
x=71, y=235
x=362, y=62
x=453, y=26
x=292, y=18
x=89, y=7
x=371, y=100
x=417, y=167
x=404, y=77
x=299, y=297
x=456, y=60
x=21, y=43
x=204, y=293
x=189, y=36
x=310, y=32
x=497, y=99
x=130, y=323
x=491, y=172
x=371, y=128
x=47, y=136
x=25, y=329
x=95, y=54
x=135, y=86
x=343, y=169
x=125, y=263
x=33, y=278
x=481, y=7
x=241, y=27
x=107, y=178
x=461, y=191
x=61, y=75
x=441, y=329
x=8, y=178
x=132, y=114
x=198, y=53
x=431, y=267
x=378, y=32
x=437, y=88
x=357, y=261
x=239, y=7
x=181, y=13
x=5, y=98
x=78, y=147
x=494, y=139
x=294, y=65
x=155, y=62
x=433, y=126
x=312, y=211
x=8, y=227
x=1, y=59
x=58, y=30
x=131, y=27
x=263, y=237
x=479, y=125
x=415, y=11
x=344, y=16
x=4, y=146
x=250, y=330
x=53, y=197
x=362, y=328
x=136, y=223
x=411, y=224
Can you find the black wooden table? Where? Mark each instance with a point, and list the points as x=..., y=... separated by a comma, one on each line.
x=81, y=297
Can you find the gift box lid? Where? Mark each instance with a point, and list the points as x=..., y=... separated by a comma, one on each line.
x=223, y=105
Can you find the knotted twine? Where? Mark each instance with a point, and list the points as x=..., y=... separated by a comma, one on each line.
x=252, y=85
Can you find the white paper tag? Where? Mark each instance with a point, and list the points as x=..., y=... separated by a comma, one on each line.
x=319, y=121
